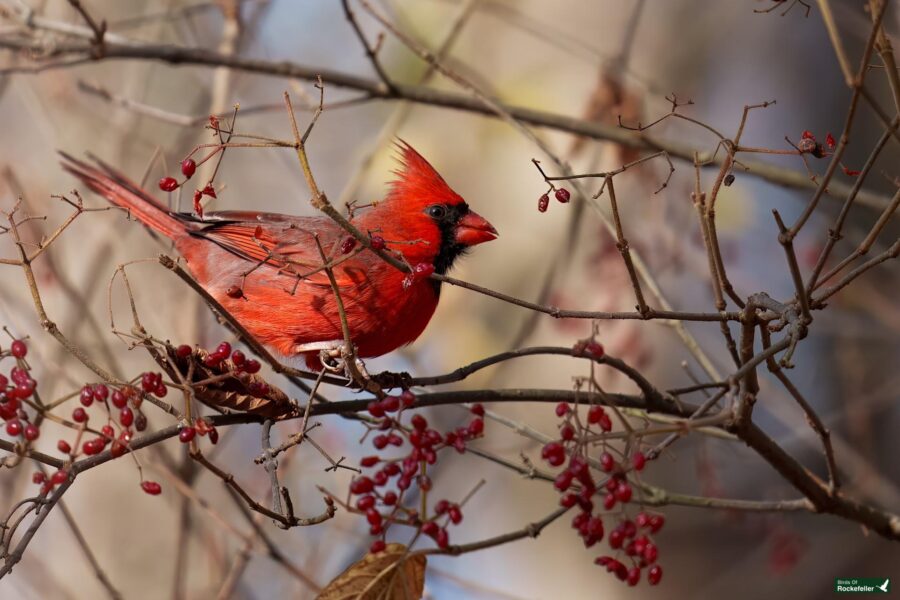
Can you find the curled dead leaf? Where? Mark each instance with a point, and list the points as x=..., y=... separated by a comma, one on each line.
x=240, y=391
x=392, y=574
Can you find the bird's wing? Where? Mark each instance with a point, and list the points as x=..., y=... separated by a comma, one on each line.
x=282, y=242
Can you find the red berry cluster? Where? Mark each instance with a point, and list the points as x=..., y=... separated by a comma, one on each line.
x=383, y=506
x=578, y=485
x=127, y=400
x=562, y=195
x=14, y=391
x=240, y=366
x=188, y=168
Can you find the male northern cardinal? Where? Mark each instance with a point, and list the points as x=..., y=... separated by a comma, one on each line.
x=266, y=270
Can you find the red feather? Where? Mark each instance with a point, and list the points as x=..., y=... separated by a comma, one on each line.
x=287, y=301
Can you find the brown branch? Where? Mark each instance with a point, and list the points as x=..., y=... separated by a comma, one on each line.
x=425, y=95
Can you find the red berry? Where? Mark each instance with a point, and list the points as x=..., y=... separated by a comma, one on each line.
x=209, y=190
x=377, y=242
x=87, y=396
x=477, y=409
x=594, y=349
x=562, y=194
x=543, y=203
x=380, y=478
x=183, y=351
x=168, y=184
x=377, y=546
x=609, y=502
x=623, y=492
x=14, y=427
x=161, y=390
x=650, y=553
x=616, y=537
x=634, y=576
x=126, y=417
x=63, y=446
x=807, y=135
x=375, y=409
x=31, y=432
x=656, y=523
x=101, y=392
x=419, y=422
x=18, y=349
x=362, y=485
x=391, y=403
x=369, y=461
x=365, y=502
x=234, y=292
x=568, y=500
x=562, y=409
x=186, y=434
x=213, y=435
x=407, y=398
x=252, y=366
x=238, y=358
x=390, y=498
x=188, y=167
x=92, y=447
x=59, y=477
x=422, y=271
x=441, y=507
x=639, y=461
x=654, y=575
x=642, y=519
x=373, y=517
x=430, y=528
x=348, y=245
x=607, y=462
x=151, y=487
x=442, y=538
x=567, y=432
x=455, y=514
x=476, y=426
x=38, y=478
x=223, y=350
x=563, y=481
x=119, y=400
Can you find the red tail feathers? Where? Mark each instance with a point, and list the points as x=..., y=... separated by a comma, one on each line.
x=121, y=191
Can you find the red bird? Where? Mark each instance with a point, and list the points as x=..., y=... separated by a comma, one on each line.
x=265, y=268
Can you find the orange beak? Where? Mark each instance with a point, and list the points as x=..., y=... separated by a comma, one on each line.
x=474, y=229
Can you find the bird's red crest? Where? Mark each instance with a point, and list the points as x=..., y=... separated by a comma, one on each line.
x=417, y=181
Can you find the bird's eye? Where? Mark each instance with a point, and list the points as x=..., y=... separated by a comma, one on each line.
x=437, y=211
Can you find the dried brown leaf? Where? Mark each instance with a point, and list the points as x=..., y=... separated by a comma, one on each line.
x=392, y=574
x=234, y=392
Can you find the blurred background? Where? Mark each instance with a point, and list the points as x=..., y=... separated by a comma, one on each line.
x=589, y=59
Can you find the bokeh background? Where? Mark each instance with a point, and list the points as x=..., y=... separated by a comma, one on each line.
x=566, y=57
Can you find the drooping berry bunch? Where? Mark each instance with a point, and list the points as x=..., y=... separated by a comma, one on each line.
x=188, y=168
x=15, y=390
x=380, y=493
x=592, y=470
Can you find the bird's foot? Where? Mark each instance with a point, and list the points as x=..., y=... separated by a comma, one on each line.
x=340, y=359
